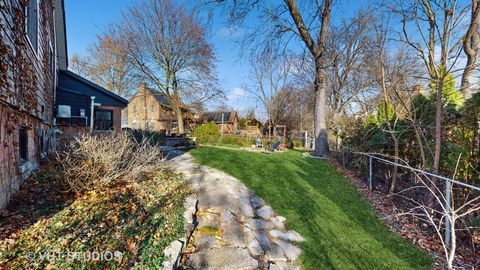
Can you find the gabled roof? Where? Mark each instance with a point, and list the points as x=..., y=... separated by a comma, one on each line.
x=94, y=86
x=160, y=98
x=228, y=117
x=254, y=120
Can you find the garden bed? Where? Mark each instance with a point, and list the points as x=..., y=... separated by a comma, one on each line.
x=123, y=226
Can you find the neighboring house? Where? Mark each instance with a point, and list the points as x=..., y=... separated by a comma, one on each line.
x=150, y=109
x=77, y=98
x=224, y=119
x=28, y=73
x=253, y=127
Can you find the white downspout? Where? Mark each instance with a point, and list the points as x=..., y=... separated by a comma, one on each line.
x=92, y=107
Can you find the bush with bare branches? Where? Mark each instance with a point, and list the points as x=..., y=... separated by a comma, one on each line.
x=97, y=162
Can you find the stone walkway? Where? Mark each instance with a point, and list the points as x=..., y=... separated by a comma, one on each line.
x=234, y=228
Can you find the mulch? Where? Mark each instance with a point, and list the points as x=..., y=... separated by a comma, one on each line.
x=415, y=231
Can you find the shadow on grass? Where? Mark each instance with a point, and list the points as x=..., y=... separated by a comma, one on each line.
x=341, y=229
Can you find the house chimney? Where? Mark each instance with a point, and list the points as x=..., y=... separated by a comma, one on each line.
x=141, y=87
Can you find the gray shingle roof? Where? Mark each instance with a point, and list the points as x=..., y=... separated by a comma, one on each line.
x=228, y=117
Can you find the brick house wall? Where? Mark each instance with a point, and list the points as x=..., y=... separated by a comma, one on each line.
x=148, y=110
x=117, y=117
x=70, y=131
x=27, y=82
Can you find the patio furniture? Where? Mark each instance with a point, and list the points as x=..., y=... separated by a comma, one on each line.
x=258, y=143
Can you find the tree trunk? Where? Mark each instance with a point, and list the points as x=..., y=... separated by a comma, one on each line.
x=420, y=144
x=269, y=128
x=320, y=121
x=175, y=103
x=181, y=129
x=395, y=168
x=470, y=47
x=318, y=51
x=453, y=244
x=438, y=126
x=337, y=130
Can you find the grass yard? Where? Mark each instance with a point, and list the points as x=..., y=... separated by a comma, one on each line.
x=340, y=227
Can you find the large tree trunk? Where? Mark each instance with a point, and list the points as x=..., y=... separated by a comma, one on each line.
x=320, y=122
x=470, y=47
x=318, y=51
x=180, y=125
x=175, y=101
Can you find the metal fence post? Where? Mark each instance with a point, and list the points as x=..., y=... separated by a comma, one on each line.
x=448, y=225
x=370, y=172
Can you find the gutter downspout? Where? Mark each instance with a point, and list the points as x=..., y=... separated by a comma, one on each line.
x=92, y=107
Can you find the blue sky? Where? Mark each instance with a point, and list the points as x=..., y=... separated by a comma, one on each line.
x=87, y=18
x=85, y=22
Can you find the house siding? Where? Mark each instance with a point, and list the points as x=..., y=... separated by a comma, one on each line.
x=26, y=93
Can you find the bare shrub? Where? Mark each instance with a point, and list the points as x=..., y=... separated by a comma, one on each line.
x=96, y=162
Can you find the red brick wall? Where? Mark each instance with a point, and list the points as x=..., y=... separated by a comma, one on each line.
x=117, y=117
x=32, y=107
x=68, y=132
x=12, y=173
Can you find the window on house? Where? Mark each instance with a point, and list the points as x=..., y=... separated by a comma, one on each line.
x=23, y=144
x=31, y=23
x=51, y=60
x=103, y=120
x=174, y=124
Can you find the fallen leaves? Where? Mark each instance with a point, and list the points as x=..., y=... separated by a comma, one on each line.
x=122, y=218
x=415, y=231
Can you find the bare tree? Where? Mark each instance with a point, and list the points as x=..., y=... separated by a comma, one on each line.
x=381, y=35
x=471, y=48
x=346, y=50
x=80, y=65
x=111, y=67
x=448, y=219
x=167, y=46
x=428, y=25
x=283, y=21
x=271, y=75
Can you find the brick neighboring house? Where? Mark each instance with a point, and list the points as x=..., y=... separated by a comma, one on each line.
x=28, y=74
x=78, y=97
x=150, y=109
x=229, y=123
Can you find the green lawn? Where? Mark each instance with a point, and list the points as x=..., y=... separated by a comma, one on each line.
x=340, y=227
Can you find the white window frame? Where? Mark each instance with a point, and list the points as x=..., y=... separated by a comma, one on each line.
x=35, y=51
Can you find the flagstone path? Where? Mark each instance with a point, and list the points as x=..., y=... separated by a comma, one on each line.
x=233, y=228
